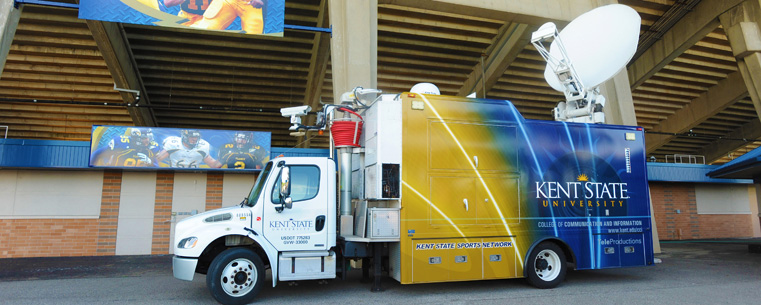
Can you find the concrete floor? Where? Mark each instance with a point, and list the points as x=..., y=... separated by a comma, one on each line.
x=691, y=273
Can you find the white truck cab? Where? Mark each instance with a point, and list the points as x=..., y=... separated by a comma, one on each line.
x=288, y=222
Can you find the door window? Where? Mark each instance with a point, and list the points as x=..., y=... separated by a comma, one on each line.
x=305, y=183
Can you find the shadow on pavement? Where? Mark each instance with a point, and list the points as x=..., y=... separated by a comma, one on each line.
x=47, y=268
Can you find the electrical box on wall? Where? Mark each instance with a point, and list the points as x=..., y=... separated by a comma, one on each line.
x=383, y=223
x=390, y=181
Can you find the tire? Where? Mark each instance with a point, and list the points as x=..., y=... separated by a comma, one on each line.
x=235, y=276
x=546, y=266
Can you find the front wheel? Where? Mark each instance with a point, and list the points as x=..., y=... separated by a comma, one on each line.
x=546, y=266
x=235, y=276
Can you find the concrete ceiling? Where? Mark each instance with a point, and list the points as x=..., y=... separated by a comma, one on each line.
x=60, y=73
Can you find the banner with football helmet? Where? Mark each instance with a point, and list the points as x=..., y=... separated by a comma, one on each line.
x=146, y=147
x=242, y=16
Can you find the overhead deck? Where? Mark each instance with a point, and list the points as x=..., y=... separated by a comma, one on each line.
x=687, y=88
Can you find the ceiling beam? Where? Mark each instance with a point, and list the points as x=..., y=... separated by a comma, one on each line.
x=113, y=45
x=684, y=34
x=318, y=65
x=727, y=92
x=533, y=12
x=506, y=46
x=720, y=148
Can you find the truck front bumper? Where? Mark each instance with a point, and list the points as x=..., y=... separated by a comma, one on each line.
x=184, y=268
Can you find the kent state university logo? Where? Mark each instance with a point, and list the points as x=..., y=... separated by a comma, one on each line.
x=291, y=225
x=580, y=185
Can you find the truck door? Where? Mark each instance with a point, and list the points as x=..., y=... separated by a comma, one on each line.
x=304, y=226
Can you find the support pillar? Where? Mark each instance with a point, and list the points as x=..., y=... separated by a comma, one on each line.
x=354, y=45
x=740, y=23
x=354, y=62
x=757, y=215
x=656, y=239
x=377, y=272
x=9, y=18
x=619, y=106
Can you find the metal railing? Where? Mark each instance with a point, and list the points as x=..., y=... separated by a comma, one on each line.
x=690, y=159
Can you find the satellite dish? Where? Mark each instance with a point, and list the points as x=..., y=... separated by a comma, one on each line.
x=599, y=43
x=425, y=88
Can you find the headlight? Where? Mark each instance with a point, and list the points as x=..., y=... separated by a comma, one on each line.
x=218, y=218
x=187, y=243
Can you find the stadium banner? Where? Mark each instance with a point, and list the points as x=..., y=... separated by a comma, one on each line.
x=152, y=147
x=241, y=16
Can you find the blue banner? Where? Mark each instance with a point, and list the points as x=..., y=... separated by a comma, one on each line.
x=145, y=147
x=241, y=16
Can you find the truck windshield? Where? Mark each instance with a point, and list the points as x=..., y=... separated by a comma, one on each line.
x=258, y=186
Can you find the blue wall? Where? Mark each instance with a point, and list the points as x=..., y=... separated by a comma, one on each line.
x=44, y=153
x=671, y=172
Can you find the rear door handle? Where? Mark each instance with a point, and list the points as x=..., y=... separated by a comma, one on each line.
x=319, y=223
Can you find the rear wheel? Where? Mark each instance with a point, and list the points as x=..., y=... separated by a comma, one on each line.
x=546, y=266
x=235, y=276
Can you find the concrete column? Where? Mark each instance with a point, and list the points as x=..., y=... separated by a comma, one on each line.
x=354, y=45
x=9, y=17
x=354, y=61
x=656, y=239
x=741, y=26
x=619, y=106
x=757, y=210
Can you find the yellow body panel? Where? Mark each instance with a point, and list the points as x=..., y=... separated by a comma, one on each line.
x=489, y=213
x=460, y=194
x=504, y=265
x=457, y=209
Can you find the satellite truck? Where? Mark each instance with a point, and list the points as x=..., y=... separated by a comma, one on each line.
x=433, y=188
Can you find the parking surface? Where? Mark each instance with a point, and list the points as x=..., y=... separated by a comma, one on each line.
x=691, y=273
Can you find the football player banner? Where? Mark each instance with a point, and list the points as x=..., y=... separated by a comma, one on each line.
x=241, y=16
x=151, y=147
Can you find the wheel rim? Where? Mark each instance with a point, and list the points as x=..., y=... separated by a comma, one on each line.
x=239, y=277
x=547, y=265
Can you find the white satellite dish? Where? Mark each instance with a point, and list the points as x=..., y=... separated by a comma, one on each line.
x=599, y=43
x=588, y=52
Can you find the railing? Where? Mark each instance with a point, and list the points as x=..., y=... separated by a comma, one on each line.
x=691, y=159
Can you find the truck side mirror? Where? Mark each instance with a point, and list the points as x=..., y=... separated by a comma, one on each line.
x=285, y=182
x=285, y=189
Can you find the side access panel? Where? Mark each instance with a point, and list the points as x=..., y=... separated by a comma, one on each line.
x=463, y=259
x=306, y=265
x=500, y=261
x=620, y=250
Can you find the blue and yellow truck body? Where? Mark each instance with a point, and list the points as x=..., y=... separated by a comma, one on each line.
x=481, y=187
